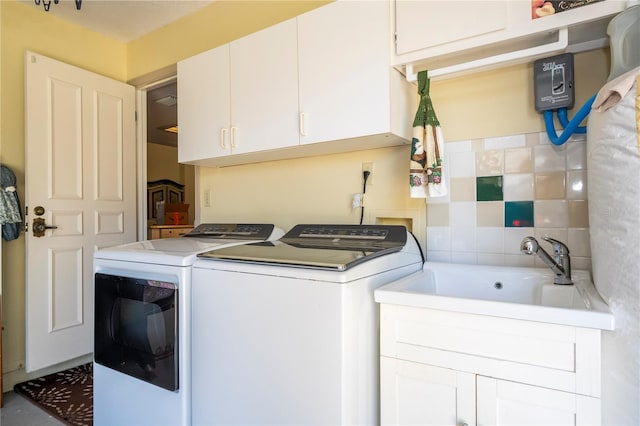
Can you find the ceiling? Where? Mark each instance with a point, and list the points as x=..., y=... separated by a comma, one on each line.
x=160, y=115
x=123, y=20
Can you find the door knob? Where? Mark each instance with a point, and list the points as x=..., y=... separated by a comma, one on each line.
x=39, y=226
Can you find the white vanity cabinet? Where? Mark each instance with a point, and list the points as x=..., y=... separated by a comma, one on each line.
x=441, y=33
x=440, y=367
x=347, y=87
x=421, y=394
x=240, y=97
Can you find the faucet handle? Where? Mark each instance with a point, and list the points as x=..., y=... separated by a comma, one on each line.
x=559, y=248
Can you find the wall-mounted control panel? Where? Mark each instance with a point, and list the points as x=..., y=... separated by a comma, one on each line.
x=553, y=82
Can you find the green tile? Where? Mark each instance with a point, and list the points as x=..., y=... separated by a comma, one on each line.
x=489, y=188
x=518, y=214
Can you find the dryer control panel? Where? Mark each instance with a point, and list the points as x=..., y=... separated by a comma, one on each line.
x=234, y=231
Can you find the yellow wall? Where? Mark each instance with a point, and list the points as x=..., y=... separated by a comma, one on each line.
x=26, y=27
x=23, y=26
x=210, y=27
x=162, y=163
x=284, y=192
x=319, y=189
x=500, y=102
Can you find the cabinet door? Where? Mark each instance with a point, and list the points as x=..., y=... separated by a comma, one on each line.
x=419, y=394
x=344, y=71
x=425, y=24
x=507, y=403
x=264, y=89
x=203, y=110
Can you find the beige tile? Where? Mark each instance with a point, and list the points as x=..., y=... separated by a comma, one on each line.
x=490, y=214
x=518, y=160
x=578, y=214
x=549, y=158
x=577, y=185
x=583, y=263
x=490, y=163
x=437, y=214
x=463, y=189
x=579, y=242
x=577, y=156
x=550, y=186
x=532, y=139
x=551, y=213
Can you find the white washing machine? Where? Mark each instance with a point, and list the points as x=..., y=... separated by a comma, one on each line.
x=142, y=370
x=286, y=332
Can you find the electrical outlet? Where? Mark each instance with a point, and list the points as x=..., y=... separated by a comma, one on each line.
x=368, y=167
x=207, y=198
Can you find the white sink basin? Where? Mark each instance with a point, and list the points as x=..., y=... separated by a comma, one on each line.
x=510, y=292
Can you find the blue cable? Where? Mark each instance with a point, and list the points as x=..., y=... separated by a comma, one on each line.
x=570, y=127
x=561, y=113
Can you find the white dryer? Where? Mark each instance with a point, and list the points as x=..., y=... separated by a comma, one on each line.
x=142, y=324
x=286, y=332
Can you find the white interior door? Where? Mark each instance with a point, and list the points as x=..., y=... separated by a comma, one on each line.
x=81, y=170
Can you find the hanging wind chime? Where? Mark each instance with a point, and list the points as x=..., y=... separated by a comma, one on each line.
x=47, y=3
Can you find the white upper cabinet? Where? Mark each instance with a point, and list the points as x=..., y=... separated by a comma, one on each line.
x=240, y=97
x=264, y=90
x=321, y=83
x=204, y=115
x=347, y=86
x=455, y=37
x=423, y=25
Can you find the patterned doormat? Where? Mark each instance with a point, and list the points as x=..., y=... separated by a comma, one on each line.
x=66, y=395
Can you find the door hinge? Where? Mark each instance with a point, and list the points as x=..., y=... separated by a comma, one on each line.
x=135, y=115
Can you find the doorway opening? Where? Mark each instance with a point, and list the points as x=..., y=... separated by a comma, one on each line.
x=162, y=167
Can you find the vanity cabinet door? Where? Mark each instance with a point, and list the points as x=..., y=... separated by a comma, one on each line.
x=501, y=402
x=420, y=394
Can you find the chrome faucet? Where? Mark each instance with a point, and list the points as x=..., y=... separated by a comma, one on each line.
x=560, y=264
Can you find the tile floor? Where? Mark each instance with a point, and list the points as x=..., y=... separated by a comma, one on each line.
x=18, y=411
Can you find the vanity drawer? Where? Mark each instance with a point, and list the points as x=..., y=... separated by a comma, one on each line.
x=551, y=355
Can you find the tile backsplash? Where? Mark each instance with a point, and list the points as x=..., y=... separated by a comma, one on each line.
x=505, y=188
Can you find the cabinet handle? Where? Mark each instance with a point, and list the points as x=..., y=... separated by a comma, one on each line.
x=233, y=136
x=223, y=132
x=303, y=127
